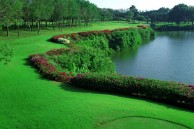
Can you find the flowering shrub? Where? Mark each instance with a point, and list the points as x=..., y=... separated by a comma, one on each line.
x=42, y=63
x=108, y=40
x=63, y=76
x=55, y=38
x=170, y=92
x=121, y=29
x=83, y=60
x=75, y=36
x=55, y=52
x=84, y=34
x=106, y=31
x=62, y=64
x=47, y=70
x=143, y=26
x=94, y=33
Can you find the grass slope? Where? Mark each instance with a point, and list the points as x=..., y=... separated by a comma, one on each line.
x=28, y=101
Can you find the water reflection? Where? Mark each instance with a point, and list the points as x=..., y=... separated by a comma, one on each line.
x=129, y=53
x=178, y=35
x=169, y=57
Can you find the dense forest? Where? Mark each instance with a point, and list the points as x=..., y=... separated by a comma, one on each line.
x=34, y=14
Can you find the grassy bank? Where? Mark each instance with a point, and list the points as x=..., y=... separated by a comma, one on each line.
x=172, y=27
x=30, y=101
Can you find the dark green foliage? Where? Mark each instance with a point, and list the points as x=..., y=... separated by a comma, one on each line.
x=82, y=60
x=179, y=13
x=146, y=34
x=108, y=40
x=10, y=12
x=173, y=27
x=153, y=26
x=88, y=52
x=171, y=92
x=6, y=53
x=97, y=42
x=62, y=64
x=160, y=15
x=124, y=39
x=129, y=38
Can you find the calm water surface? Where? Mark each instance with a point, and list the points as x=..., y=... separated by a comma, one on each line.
x=170, y=56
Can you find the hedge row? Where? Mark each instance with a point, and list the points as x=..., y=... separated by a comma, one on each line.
x=117, y=39
x=63, y=64
x=77, y=36
x=47, y=70
x=81, y=57
x=170, y=92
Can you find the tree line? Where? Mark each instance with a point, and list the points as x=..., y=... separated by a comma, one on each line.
x=58, y=13
x=34, y=14
x=179, y=13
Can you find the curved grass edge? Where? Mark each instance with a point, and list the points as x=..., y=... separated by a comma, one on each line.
x=172, y=93
x=125, y=117
x=108, y=40
x=168, y=92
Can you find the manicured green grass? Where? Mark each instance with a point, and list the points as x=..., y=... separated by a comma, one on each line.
x=28, y=101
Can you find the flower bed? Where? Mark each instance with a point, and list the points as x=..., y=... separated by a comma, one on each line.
x=169, y=92
x=78, y=63
x=78, y=35
x=87, y=52
x=47, y=70
x=108, y=40
x=62, y=64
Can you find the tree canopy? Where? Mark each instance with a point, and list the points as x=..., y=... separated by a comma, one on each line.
x=30, y=14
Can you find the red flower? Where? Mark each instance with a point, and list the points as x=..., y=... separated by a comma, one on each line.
x=55, y=52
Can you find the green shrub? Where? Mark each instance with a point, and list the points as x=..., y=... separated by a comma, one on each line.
x=171, y=92
x=108, y=41
x=146, y=34
x=88, y=52
x=6, y=53
x=124, y=39
x=97, y=42
x=83, y=60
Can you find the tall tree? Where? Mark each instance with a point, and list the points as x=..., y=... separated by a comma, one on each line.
x=179, y=13
x=18, y=14
x=191, y=14
x=93, y=12
x=135, y=11
x=130, y=15
x=47, y=10
x=106, y=14
x=27, y=13
x=72, y=12
x=140, y=18
x=10, y=13
x=59, y=13
x=37, y=7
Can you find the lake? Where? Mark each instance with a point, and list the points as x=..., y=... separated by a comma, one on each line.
x=170, y=56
